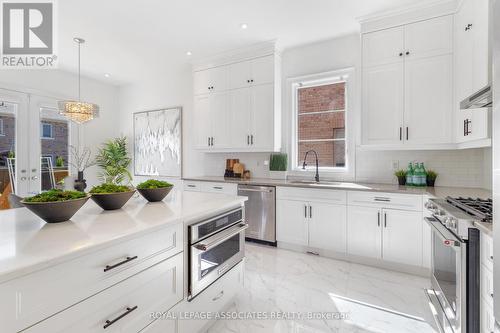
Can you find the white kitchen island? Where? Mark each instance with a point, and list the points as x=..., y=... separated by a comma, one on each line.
x=103, y=270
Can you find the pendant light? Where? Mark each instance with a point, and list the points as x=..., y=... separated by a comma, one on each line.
x=78, y=111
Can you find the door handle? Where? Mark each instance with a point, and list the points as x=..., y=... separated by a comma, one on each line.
x=385, y=220
x=406, y=133
x=34, y=178
x=251, y=139
x=248, y=140
x=400, y=133
x=209, y=141
x=112, y=321
x=128, y=259
x=305, y=211
x=378, y=219
x=310, y=212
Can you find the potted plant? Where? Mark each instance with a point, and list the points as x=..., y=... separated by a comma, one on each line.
x=114, y=160
x=80, y=160
x=277, y=166
x=111, y=196
x=431, y=177
x=55, y=205
x=154, y=190
x=401, y=175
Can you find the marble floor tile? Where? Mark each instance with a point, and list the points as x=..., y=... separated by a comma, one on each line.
x=280, y=281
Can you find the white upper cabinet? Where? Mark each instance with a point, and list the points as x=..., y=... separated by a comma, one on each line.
x=383, y=47
x=407, y=92
x=383, y=103
x=427, y=114
x=237, y=106
x=251, y=72
x=210, y=80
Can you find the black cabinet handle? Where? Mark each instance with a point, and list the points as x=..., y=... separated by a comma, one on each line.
x=305, y=211
x=406, y=132
x=251, y=139
x=401, y=54
x=468, y=27
x=111, y=322
x=248, y=139
x=251, y=80
x=310, y=212
x=400, y=133
x=465, y=130
x=407, y=52
x=378, y=219
x=128, y=259
x=208, y=141
x=212, y=141
x=385, y=220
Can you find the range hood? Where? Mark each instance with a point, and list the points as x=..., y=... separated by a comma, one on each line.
x=480, y=99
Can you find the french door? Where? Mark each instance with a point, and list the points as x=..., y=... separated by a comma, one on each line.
x=35, y=142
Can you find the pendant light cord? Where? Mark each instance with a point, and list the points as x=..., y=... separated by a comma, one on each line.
x=79, y=74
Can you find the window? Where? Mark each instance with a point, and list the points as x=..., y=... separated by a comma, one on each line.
x=1, y=127
x=320, y=104
x=46, y=131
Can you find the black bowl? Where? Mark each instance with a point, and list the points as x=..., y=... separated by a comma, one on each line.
x=155, y=194
x=56, y=211
x=112, y=201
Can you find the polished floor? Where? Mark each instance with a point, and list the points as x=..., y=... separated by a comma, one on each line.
x=290, y=284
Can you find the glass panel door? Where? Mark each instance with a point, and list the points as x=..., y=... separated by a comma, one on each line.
x=13, y=147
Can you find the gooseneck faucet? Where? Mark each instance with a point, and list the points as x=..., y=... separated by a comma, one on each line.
x=317, y=164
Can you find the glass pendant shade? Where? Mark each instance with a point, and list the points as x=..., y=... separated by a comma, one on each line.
x=79, y=112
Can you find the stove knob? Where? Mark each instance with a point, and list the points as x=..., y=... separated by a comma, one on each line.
x=429, y=205
x=450, y=222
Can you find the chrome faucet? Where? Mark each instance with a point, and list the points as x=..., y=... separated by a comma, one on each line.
x=317, y=164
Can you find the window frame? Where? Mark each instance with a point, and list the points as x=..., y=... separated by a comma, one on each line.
x=294, y=84
x=2, y=131
x=51, y=137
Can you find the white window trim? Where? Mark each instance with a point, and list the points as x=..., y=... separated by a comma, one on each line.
x=2, y=133
x=348, y=76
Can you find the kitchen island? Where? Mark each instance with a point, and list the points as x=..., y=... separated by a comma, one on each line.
x=82, y=275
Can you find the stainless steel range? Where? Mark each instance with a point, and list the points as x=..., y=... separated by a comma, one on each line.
x=454, y=296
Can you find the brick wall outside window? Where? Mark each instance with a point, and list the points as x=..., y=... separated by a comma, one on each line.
x=321, y=120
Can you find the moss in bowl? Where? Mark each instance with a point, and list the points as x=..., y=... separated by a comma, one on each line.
x=55, y=206
x=154, y=190
x=111, y=196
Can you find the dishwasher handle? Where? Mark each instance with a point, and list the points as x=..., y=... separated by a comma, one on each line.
x=247, y=189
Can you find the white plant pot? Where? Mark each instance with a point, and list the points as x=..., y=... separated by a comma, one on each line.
x=278, y=174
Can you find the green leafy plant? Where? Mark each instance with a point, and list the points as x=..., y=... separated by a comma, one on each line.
x=110, y=188
x=153, y=183
x=11, y=154
x=278, y=162
x=431, y=175
x=114, y=160
x=59, y=162
x=400, y=173
x=55, y=195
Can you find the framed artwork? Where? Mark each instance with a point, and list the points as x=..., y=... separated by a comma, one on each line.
x=158, y=143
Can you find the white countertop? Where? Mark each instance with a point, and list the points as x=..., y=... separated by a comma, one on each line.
x=438, y=191
x=28, y=244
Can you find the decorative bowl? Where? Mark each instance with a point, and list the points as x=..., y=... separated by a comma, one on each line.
x=112, y=201
x=56, y=211
x=155, y=194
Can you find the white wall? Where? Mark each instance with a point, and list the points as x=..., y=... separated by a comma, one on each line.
x=456, y=168
x=61, y=84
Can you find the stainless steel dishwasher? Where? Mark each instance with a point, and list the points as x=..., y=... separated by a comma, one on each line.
x=260, y=213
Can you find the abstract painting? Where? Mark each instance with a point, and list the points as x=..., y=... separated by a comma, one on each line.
x=158, y=143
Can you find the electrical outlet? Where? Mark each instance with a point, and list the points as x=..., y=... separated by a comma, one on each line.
x=266, y=162
x=395, y=165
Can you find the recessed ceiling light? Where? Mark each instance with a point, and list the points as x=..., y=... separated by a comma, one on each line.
x=188, y=53
x=244, y=26
x=107, y=75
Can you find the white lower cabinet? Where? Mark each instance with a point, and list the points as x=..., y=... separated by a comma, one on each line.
x=486, y=284
x=364, y=237
x=313, y=224
x=161, y=326
x=126, y=306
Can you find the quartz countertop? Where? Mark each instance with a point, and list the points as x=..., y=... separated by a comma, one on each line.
x=28, y=244
x=439, y=191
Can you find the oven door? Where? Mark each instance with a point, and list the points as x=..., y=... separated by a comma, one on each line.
x=211, y=257
x=448, y=276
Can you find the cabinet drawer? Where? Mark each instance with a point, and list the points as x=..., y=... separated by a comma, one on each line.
x=226, y=188
x=385, y=200
x=487, y=285
x=486, y=251
x=487, y=318
x=212, y=299
x=193, y=186
x=125, y=307
x=307, y=194
x=36, y=296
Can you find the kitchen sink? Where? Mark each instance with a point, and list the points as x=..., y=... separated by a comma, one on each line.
x=313, y=183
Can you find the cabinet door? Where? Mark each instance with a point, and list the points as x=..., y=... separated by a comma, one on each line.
x=202, y=123
x=383, y=104
x=201, y=82
x=327, y=226
x=219, y=119
x=383, y=47
x=239, y=74
x=402, y=236
x=241, y=118
x=218, y=78
x=480, y=35
x=262, y=135
x=262, y=70
x=428, y=100
x=463, y=54
x=291, y=222
x=364, y=237
x=429, y=38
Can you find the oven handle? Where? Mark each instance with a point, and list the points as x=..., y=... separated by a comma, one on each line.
x=213, y=241
x=444, y=234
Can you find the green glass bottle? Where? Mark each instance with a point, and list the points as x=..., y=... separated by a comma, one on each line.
x=424, y=174
x=409, y=174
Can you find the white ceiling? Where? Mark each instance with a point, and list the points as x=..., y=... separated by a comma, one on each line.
x=130, y=39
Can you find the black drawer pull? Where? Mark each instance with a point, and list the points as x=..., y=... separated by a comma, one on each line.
x=111, y=322
x=382, y=199
x=110, y=267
